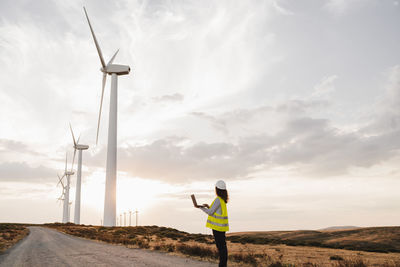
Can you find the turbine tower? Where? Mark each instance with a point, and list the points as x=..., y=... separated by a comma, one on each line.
x=80, y=147
x=111, y=171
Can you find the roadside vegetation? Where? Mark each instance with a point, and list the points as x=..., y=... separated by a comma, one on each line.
x=10, y=234
x=371, y=239
x=252, y=253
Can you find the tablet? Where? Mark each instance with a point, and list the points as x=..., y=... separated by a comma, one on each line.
x=195, y=202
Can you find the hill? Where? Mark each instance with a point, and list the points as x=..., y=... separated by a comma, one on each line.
x=373, y=239
x=331, y=228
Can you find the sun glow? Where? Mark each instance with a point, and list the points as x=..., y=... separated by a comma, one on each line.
x=132, y=194
x=137, y=193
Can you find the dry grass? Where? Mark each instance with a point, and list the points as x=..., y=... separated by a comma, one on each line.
x=10, y=234
x=240, y=254
x=372, y=239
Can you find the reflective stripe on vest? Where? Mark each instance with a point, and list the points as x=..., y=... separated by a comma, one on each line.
x=218, y=224
x=216, y=216
x=216, y=221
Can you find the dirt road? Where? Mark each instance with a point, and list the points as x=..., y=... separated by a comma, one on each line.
x=47, y=247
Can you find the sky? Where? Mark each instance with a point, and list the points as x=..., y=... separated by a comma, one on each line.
x=295, y=104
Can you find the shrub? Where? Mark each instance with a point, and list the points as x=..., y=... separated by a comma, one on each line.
x=196, y=250
x=352, y=263
x=132, y=235
x=335, y=258
x=142, y=243
x=310, y=264
x=248, y=258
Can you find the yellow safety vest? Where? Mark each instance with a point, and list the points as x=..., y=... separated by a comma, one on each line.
x=216, y=221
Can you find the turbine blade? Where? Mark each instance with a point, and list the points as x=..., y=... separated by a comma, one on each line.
x=65, y=163
x=95, y=40
x=78, y=139
x=72, y=132
x=101, y=104
x=113, y=57
x=73, y=159
x=60, y=180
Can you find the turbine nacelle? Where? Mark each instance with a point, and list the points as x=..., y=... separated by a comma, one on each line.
x=117, y=69
x=81, y=147
x=69, y=173
x=77, y=146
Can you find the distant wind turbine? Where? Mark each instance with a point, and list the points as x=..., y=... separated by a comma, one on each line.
x=62, y=197
x=80, y=147
x=66, y=187
x=111, y=171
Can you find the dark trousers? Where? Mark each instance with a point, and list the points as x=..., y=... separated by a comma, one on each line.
x=220, y=241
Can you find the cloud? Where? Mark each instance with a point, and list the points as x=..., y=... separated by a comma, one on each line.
x=170, y=161
x=252, y=118
x=386, y=113
x=278, y=7
x=341, y=7
x=169, y=98
x=325, y=86
x=337, y=7
x=22, y=172
x=218, y=124
x=314, y=147
x=318, y=149
x=7, y=145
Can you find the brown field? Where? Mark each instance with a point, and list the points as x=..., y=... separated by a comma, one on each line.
x=10, y=234
x=371, y=239
x=248, y=254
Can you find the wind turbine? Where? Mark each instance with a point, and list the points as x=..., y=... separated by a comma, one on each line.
x=67, y=174
x=62, y=197
x=111, y=171
x=66, y=187
x=80, y=147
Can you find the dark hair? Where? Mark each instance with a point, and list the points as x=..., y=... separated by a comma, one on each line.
x=222, y=193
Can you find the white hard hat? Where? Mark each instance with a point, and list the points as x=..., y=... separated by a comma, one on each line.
x=220, y=185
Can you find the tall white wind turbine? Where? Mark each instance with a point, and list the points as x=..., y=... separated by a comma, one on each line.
x=79, y=147
x=111, y=171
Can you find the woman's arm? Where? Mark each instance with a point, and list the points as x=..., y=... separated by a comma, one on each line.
x=213, y=209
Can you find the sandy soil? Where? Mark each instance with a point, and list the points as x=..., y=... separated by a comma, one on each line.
x=47, y=247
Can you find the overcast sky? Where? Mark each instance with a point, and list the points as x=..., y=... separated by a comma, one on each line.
x=295, y=104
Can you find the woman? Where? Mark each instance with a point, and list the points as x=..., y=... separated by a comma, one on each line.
x=218, y=220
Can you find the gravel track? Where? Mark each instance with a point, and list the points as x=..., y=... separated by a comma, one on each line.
x=48, y=247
